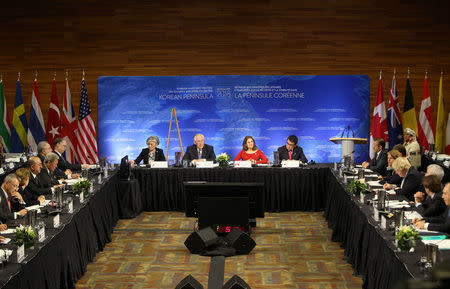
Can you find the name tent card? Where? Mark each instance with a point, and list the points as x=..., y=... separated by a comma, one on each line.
x=290, y=164
x=159, y=164
x=207, y=164
x=383, y=223
x=56, y=221
x=361, y=197
x=81, y=197
x=376, y=214
x=41, y=234
x=20, y=253
x=70, y=207
x=242, y=164
x=1, y=171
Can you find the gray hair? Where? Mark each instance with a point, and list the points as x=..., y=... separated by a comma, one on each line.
x=9, y=178
x=51, y=157
x=41, y=146
x=33, y=160
x=436, y=170
x=198, y=135
x=153, y=138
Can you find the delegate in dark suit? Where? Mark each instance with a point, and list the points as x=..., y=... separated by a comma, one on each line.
x=391, y=177
x=58, y=173
x=64, y=165
x=5, y=212
x=144, y=155
x=192, y=153
x=36, y=188
x=444, y=226
x=379, y=163
x=47, y=179
x=297, y=154
x=412, y=183
x=432, y=207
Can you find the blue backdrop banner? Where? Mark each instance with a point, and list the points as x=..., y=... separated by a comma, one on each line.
x=226, y=108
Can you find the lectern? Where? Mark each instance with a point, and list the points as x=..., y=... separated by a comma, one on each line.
x=348, y=145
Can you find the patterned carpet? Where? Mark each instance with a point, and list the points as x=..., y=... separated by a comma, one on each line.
x=293, y=250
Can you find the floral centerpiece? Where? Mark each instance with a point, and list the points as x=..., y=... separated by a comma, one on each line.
x=223, y=159
x=25, y=235
x=356, y=187
x=82, y=187
x=406, y=238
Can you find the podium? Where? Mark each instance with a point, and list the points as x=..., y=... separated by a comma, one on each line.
x=348, y=144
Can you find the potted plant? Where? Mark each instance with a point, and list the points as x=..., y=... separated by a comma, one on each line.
x=25, y=235
x=82, y=187
x=406, y=238
x=356, y=187
x=223, y=159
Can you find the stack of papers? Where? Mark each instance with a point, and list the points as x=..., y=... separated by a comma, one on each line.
x=398, y=204
x=5, y=241
x=374, y=183
x=443, y=244
x=8, y=231
x=410, y=215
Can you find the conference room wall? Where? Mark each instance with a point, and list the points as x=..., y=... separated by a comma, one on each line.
x=222, y=37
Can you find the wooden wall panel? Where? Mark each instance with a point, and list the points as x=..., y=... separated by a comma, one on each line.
x=222, y=37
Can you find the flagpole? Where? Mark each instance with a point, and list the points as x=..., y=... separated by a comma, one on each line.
x=408, y=72
x=83, y=74
x=380, y=73
x=1, y=77
x=18, y=76
x=54, y=75
x=35, y=75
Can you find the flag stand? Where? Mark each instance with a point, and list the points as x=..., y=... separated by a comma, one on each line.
x=173, y=114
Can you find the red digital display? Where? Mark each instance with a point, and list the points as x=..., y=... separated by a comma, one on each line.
x=227, y=229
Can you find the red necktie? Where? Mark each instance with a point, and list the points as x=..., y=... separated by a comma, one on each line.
x=290, y=155
x=9, y=204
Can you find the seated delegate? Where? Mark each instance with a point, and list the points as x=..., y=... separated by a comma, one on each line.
x=441, y=223
x=251, y=152
x=291, y=151
x=152, y=153
x=390, y=176
x=199, y=151
x=411, y=179
x=431, y=204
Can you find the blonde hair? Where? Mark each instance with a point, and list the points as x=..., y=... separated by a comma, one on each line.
x=400, y=164
x=24, y=175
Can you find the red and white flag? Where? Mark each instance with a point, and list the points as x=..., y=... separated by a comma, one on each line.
x=426, y=124
x=86, y=135
x=69, y=125
x=53, y=128
x=379, y=122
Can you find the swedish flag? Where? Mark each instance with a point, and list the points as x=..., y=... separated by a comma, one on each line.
x=19, y=124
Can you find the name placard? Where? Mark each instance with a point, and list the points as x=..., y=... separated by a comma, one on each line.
x=361, y=197
x=383, y=223
x=242, y=164
x=70, y=207
x=290, y=164
x=376, y=214
x=82, y=197
x=41, y=234
x=20, y=253
x=56, y=221
x=159, y=164
x=207, y=164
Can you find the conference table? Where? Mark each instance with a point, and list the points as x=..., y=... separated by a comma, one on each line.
x=62, y=258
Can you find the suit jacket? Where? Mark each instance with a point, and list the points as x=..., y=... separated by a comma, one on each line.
x=379, y=164
x=391, y=177
x=63, y=165
x=432, y=207
x=159, y=155
x=47, y=179
x=5, y=213
x=58, y=173
x=297, y=154
x=29, y=198
x=411, y=185
x=192, y=153
x=441, y=227
x=36, y=187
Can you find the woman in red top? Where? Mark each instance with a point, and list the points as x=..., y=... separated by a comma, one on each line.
x=250, y=152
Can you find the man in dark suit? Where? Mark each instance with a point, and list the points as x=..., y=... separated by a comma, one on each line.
x=8, y=195
x=411, y=179
x=43, y=149
x=291, y=151
x=35, y=186
x=441, y=224
x=432, y=205
x=379, y=163
x=47, y=177
x=199, y=151
x=60, y=147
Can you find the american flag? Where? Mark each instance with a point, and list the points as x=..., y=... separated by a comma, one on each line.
x=86, y=135
x=394, y=117
x=69, y=125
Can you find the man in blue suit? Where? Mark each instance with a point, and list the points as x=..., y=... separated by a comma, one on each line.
x=442, y=223
x=199, y=151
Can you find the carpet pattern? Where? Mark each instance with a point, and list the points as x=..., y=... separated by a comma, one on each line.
x=294, y=250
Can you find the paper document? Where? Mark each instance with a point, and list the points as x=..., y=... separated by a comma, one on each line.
x=8, y=231
x=442, y=244
x=410, y=215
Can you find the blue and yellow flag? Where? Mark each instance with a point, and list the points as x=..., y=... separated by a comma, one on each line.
x=19, y=124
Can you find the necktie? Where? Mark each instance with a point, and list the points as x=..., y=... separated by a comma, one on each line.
x=290, y=155
x=199, y=154
x=9, y=204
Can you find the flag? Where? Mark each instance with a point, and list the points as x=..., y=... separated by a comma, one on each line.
x=69, y=125
x=409, y=112
x=447, y=147
x=394, y=117
x=5, y=124
x=86, y=135
x=19, y=123
x=36, y=130
x=54, y=117
x=426, y=124
x=379, y=122
x=440, y=122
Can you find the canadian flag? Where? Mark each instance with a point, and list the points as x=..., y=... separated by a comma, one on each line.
x=379, y=122
x=426, y=125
